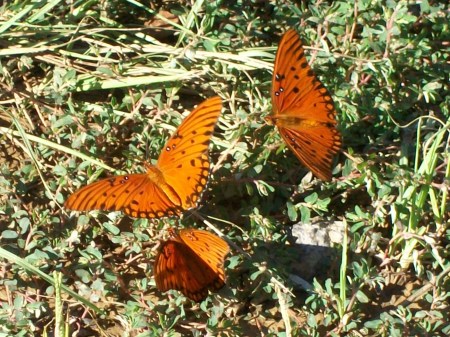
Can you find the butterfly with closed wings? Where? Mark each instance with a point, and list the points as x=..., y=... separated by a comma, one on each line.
x=173, y=185
x=303, y=109
x=191, y=261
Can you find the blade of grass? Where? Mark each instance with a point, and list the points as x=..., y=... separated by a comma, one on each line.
x=343, y=273
x=32, y=269
x=418, y=198
x=9, y=133
x=16, y=18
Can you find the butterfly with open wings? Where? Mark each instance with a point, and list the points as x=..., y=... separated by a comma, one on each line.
x=173, y=185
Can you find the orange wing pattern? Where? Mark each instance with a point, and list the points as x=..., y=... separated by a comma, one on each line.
x=174, y=185
x=304, y=112
x=191, y=262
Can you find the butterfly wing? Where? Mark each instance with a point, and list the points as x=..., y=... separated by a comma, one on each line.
x=179, y=267
x=211, y=249
x=303, y=109
x=136, y=194
x=299, y=141
x=184, y=161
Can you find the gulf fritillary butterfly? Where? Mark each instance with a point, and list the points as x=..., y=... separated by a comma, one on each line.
x=172, y=186
x=191, y=262
x=303, y=110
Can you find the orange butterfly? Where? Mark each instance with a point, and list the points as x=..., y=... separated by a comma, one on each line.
x=191, y=262
x=303, y=109
x=170, y=187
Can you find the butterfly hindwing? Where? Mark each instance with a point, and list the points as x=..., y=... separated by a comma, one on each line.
x=321, y=154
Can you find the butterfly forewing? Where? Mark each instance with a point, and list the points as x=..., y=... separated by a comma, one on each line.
x=211, y=248
x=184, y=160
x=303, y=109
x=135, y=194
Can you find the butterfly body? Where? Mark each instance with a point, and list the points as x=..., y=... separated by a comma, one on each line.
x=191, y=262
x=286, y=121
x=168, y=188
x=157, y=177
x=303, y=110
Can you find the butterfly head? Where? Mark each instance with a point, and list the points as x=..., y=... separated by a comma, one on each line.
x=270, y=120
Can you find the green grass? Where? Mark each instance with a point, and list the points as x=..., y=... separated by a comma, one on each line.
x=89, y=89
